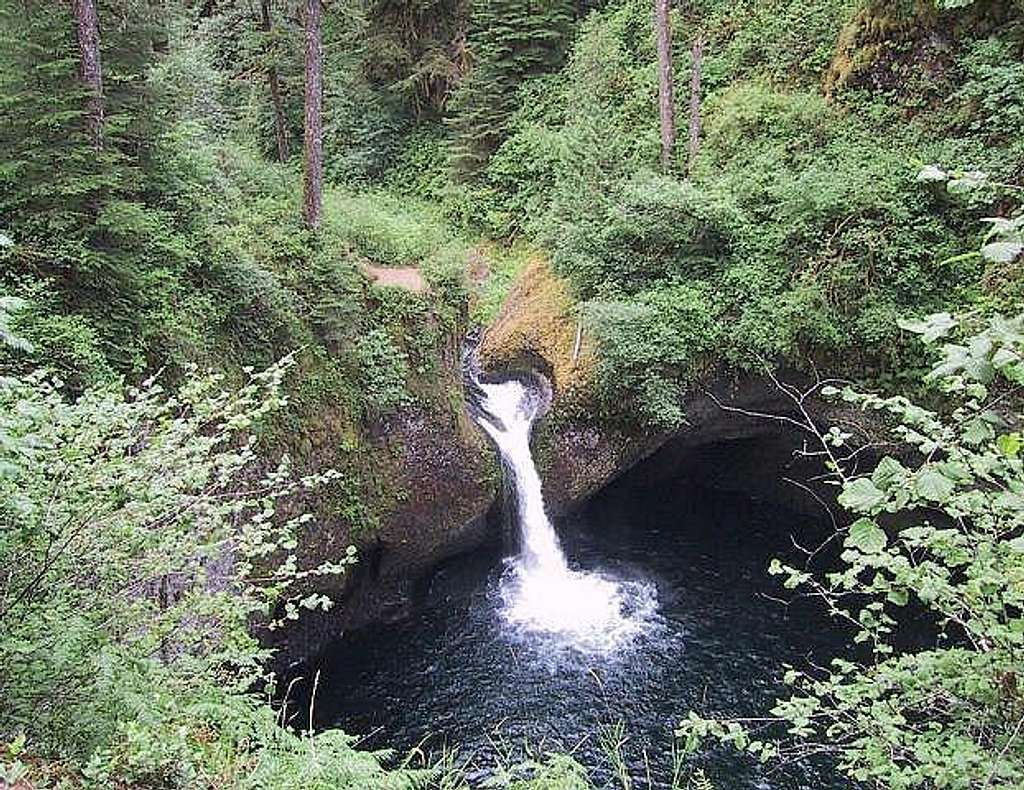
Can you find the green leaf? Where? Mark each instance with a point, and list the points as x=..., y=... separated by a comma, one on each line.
x=888, y=472
x=956, y=471
x=866, y=536
x=966, y=182
x=900, y=597
x=17, y=746
x=932, y=485
x=930, y=174
x=977, y=431
x=861, y=496
x=1009, y=444
x=929, y=589
x=1001, y=226
x=1004, y=357
x=931, y=327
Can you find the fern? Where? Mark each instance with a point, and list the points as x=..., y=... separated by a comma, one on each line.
x=9, y=305
x=699, y=781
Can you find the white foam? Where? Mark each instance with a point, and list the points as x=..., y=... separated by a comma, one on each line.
x=541, y=595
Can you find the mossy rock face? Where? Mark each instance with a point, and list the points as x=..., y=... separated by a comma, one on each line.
x=577, y=457
x=417, y=491
x=538, y=327
x=908, y=47
x=417, y=483
x=883, y=43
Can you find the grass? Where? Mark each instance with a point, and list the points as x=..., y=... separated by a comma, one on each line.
x=493, y=271
x=385, y=229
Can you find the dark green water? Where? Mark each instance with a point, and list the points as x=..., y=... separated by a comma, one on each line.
x=455, y=676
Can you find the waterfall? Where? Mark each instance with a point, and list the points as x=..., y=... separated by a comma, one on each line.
x=541, y=594
x=508, y=414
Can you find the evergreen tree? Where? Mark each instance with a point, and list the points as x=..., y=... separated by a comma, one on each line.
x=51, y=178
x=274, y=83
x=510, y=41
x=100, y=233
x=417, y=50
x=258, y=48
x=666, y=100
x=696, y=61
x=90, y=70
x=314, y=154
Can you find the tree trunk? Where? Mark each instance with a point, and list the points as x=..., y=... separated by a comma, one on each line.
x=666, y=102
x=698, y=54
x=314, y=154
x=280, y=127
x=89, y=69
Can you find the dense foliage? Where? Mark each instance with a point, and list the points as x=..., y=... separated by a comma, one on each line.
x=141, y=535
x=940, y=535
x=794, y=228
x=510, y=41
x=177, y=243
x=796, y=235
x=851, y=151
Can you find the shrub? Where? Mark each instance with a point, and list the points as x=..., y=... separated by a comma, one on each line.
x=142, y=534
x=383, y=370
x=382, y=228
x=649, y=344
x=944, y=535
x=991, y=89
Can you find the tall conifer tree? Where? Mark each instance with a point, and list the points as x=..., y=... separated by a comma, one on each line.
x=89, y=68
x=509, y=41
x=314, y=153
x=274, y=82
x=666, y=97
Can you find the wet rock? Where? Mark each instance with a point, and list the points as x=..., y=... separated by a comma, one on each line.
x=430, y=480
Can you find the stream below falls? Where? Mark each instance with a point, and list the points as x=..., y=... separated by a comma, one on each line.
x=460, y=675
x=604, y=630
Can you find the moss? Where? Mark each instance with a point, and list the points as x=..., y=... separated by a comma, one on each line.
x=540, y=320
x=869, y=35
x=492, y=271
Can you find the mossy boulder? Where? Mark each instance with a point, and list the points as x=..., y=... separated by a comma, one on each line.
x=539, y=329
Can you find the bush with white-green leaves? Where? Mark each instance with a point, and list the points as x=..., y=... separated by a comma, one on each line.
x=141, y=535
x=941, y=534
